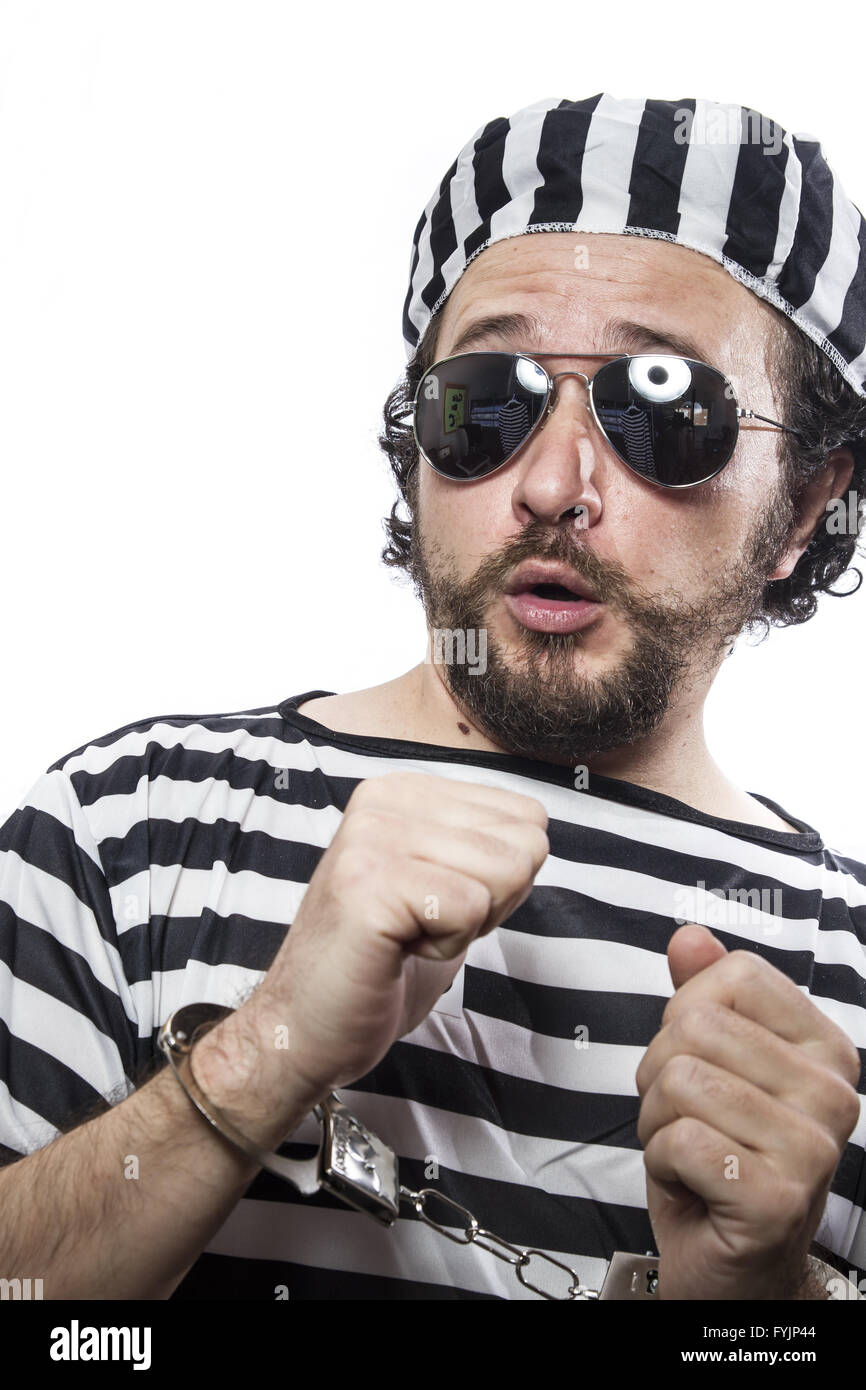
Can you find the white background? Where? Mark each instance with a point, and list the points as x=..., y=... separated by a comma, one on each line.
x=207, y=215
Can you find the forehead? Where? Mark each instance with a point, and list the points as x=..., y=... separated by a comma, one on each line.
x=576, y=285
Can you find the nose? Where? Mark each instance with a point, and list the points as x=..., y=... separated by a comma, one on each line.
x=557, y=475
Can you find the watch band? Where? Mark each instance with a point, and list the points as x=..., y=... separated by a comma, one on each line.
x=352, y=1163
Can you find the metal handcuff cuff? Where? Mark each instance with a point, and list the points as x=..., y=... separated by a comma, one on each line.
x=356, y=1166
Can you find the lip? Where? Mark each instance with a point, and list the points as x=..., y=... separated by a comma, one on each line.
x=540, y=572
x=552, y=614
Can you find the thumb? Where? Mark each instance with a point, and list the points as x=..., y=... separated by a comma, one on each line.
x=691, y=949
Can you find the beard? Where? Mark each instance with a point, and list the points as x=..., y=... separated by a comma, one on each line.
x=536, y=699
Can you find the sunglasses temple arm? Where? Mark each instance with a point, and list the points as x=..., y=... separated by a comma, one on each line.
x=753, y=415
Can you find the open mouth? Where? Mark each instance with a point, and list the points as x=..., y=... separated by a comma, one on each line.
x=552, y=608
x=558, y=591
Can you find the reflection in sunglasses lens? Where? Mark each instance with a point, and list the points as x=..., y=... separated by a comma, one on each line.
x=669, y=419
x=474, y=411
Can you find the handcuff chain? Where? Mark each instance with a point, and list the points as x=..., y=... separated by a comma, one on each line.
x=341, y=1132
x=474, y=1234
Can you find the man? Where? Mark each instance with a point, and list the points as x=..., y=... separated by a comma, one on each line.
x=495, y=867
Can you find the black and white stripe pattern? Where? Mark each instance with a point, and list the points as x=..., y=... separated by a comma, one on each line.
x=715, y=177
x=162, y=863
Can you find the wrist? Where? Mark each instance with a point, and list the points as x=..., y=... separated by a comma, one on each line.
x=805, y=1280
x=250, y=1082
x=792, y=1281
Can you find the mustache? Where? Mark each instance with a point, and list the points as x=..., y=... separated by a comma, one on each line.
x=606, y=578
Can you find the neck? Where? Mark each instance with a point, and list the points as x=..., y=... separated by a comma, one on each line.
x=674, y=759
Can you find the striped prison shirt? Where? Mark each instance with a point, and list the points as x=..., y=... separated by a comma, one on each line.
x=162, y=864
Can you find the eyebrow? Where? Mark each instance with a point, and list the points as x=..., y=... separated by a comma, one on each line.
x=620, y=335
x=506, y=326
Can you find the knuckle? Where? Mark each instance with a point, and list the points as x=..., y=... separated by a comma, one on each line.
x=476, y=901
x=746, y=966
x=379, y=791
x=817, y=1154
x=368, y=823
x=849, y=1060
x=686, y=1134
x=642, y=1072
x=525, y=808
x=680, y=1074
x=365, y=792
x=850, y=1116
x=843, y=1102
x=534, y=811
x=355, y=864
x=539, y=846
x=827, y=1155
x=693, y=1026
x=526, y=861
x=789, y=1202
x=523, y=867
x=641, y=1128
x=505, y=852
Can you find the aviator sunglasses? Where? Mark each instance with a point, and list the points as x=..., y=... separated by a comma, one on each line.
x=671, y=420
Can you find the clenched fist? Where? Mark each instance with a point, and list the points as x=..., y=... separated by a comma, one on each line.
x=365, y=958
x=747, y=1101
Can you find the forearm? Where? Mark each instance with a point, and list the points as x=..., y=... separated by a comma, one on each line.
x=121, y=1206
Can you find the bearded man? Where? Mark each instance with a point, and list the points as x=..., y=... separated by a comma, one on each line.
x=592, y=995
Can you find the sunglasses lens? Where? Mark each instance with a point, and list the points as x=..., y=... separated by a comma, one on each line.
x=473, y=411
x=670, y=419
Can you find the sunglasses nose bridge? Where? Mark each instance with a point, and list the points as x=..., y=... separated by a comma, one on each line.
x=554, y=379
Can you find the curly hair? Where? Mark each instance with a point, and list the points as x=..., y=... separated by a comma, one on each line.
x=815, y=401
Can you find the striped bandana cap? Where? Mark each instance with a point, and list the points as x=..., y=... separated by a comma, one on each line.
x=721, y=179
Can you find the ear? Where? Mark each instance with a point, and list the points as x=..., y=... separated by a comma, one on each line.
x=832, y=482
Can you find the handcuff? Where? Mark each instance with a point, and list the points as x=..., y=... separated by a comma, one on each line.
x=358, y=1168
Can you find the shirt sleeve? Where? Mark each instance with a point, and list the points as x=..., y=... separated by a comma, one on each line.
x=68, y=1029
